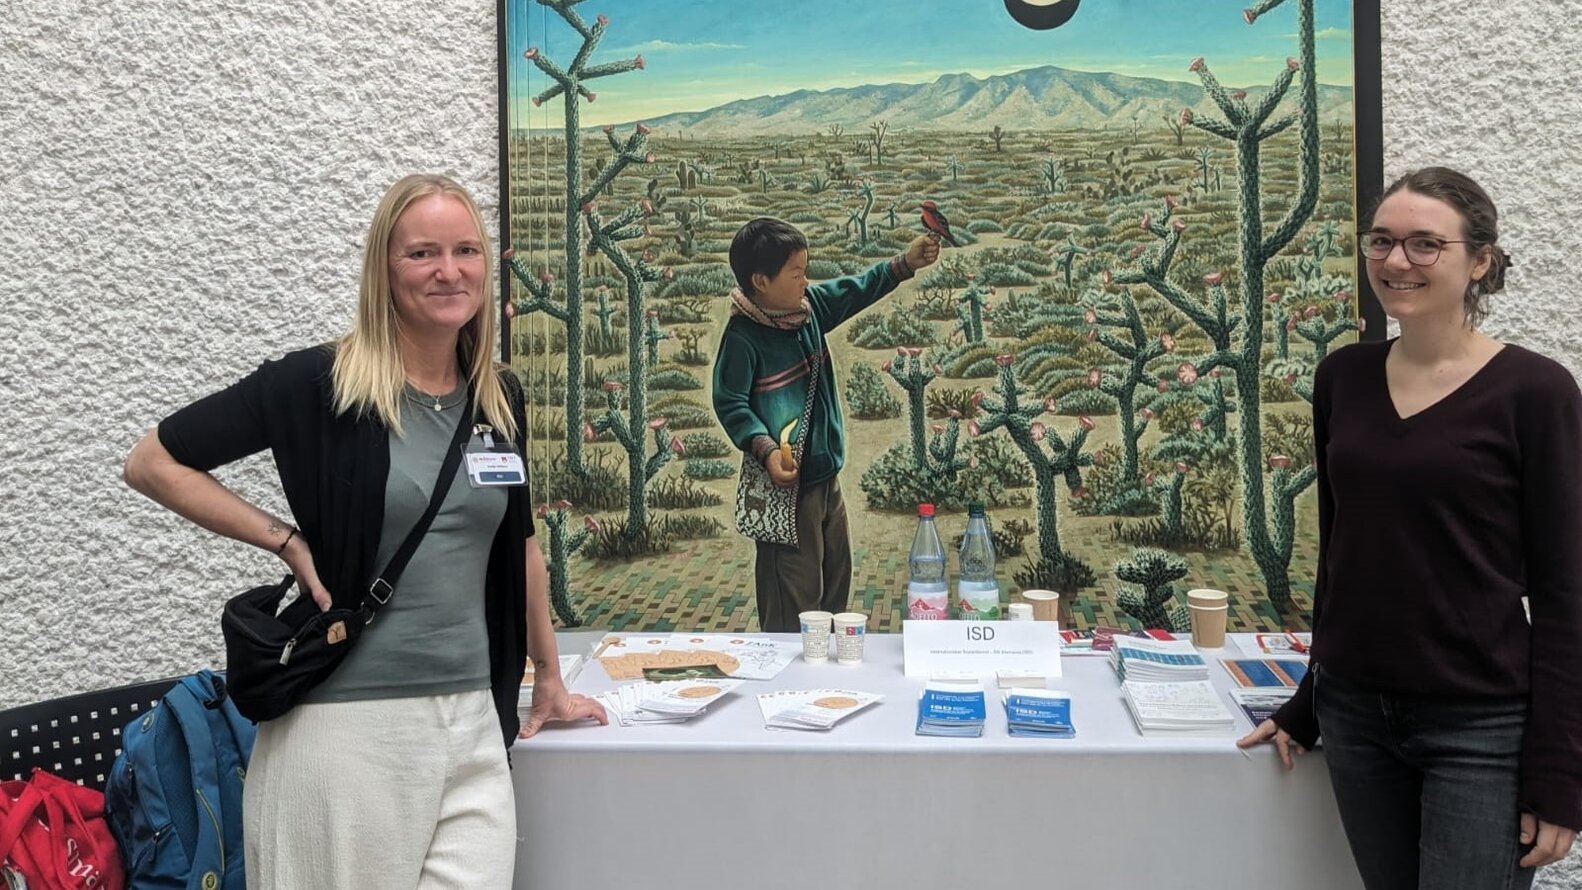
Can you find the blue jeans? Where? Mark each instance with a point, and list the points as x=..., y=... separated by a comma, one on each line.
x=1427, y=787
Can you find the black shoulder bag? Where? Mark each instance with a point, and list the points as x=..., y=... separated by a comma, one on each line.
x=273, y=660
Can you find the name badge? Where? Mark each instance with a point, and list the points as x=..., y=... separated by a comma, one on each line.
x=490, y=465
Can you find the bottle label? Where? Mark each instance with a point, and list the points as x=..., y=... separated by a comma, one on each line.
x=980, y=601
x=927, y=602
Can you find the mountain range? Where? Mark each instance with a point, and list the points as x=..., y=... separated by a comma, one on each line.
x=1043, y=98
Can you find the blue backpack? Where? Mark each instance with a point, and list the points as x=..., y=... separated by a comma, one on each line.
x=174, y=797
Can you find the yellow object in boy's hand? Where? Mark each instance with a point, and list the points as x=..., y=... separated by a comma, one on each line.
x=786, y=460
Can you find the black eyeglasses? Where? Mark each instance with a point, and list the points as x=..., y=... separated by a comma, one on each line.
x=1420, y=250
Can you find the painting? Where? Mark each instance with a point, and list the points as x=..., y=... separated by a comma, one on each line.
x=1154, y=208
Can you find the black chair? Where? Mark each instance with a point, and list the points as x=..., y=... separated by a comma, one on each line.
x=77, y=737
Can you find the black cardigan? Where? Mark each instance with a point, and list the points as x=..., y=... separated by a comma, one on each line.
x=333, y=470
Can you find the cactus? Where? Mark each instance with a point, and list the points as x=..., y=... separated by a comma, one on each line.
x=934, y=456
x=606, y=239
x=1065, y=254
x=1053, y=178
x=604, y=312
x=561, y=548
x=1137, y=349
x=972, y=303
x=686, y=231
x=570, y=83
x=998, y=135
x=1057, y=459
x=953, y=167
x=1248, y=127
x=859, y=217
x=689, y=339
x=1177, y=128
x=686, y=177
x=653, y=336
x=1204, y=155
x=1156, y=572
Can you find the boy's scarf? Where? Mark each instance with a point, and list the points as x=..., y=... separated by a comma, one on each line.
x=790, y=320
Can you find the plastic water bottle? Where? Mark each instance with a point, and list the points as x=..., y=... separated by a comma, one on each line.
x=927, y=595
x=978, y=597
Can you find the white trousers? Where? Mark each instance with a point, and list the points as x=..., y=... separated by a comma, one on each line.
x=385, y=794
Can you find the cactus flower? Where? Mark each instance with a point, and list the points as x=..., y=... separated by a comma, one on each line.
x=1186, y=116
x=591, y=524
x=648, y=158
x=510, y=310
x=676, y=446
x=1148, y=479
x=1080, y=492
x=1310, y=312
x=658, y=423
x=507, y=253
x=648, y=256
x=1342, y=296
x=652, y=313
x=953, y=414
x=1093, y=334
x=1213, y=278
x=1051, y=405
x=1251, y=15
x=1290, y=379
x=972, y=462
x=1038, y=430
x=1197, y=425
x=1147, y=413
x=1197, y=65
x=563, y=504
x=937, y=428
x=1272, y=298
x=1215, y=372
x=546, y=276
x=1106, y=277
x=1167, y=343
x=972, y=428
x=1171, y=202
x=1186, y=372
x=900, y=352
x=542, y=511
x=1138, y=250
x=588, y=434
x=537, y=101
x=1090, y=317
x=603, y=20
x=1290, y=324
x=1182, y=468
x=1086, y=422
x=1098, y=458
x=937, y=369
x=1238, y=94
x=1146, y=221
x=1179, y=226
x=669, y=274
x=641, y=65
x=532, y=53
x=1095, y=377
x=1164, y=385
x=1293, y=64
x=885, y=367
x=608, y=129
x=589, y=207
x=592, y=95
x=972, y=276
x=612, y=386
x=913, y=351
x=976, y=398
x=647, y=207
x=1279, y=462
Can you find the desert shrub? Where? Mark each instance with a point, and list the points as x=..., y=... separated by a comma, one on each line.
x=893, y=482
x=1008, y=538
x=999, y=459
x=673, y=378
x=689, y=527
x=709, y=468
x=611, y=543
x=1290, y=435
x=884, y=330
x=602, y=486
x=1065, y=573
x=868, y=397
x=680, y=492
x=705, y=445
x=681, y=412
x=1083, y=400
x=979, y=226
x=941, y=400
x=1004, y=275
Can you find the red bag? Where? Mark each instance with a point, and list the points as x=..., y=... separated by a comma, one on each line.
x=53, y=833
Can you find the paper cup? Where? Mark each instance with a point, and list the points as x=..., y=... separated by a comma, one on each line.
x=1207, y=597
x=1045, y=603
x=1208, y=625
x=851, y=628
x=815, y=635
x=1021, y=611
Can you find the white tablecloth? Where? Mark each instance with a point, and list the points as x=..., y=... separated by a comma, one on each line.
x=721, y=801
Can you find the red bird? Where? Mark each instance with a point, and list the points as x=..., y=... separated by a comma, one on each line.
x=935, y=222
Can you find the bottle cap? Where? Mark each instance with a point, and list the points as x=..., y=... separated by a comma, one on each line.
x=925, y=510
x=975, y=509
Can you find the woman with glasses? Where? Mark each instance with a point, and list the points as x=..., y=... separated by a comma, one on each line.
x=1450, y=503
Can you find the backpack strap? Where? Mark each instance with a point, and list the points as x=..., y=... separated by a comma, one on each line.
x=17, y=814
x=186, y=702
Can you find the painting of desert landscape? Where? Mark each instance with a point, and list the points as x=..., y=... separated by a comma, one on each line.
x=1154, y=208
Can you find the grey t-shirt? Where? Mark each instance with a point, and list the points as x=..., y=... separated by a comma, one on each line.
x=430, y=639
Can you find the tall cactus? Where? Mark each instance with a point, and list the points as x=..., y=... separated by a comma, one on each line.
x=570, y=82
x=972, y=301
x=604, y=313
x=1156, y=572
x=1136, y=350
x=653, y=336
x=1065, y=254
x=641, y=466
x=561, y=548
x=1248, y=127
x=935, y=456
x=859, y=216
x=1052, y=458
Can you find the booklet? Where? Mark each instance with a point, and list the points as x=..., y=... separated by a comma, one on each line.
x=669, y=702
x=951, y=709
x=817, y=709
x=1260, y=704
x=1042, y=713
x=1146, y=659
x=1177, y=708
x=1286, y=645
x=1266, y=672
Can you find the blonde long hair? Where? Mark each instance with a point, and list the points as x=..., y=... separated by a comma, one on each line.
x=368, y=373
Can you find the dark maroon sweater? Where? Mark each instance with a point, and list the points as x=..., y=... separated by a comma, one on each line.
x=1433, y=528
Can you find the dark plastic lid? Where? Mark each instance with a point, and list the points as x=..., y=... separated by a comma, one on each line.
x=925, y=510
x=975, y=509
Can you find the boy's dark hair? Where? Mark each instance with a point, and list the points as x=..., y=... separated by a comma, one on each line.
x=763, y=246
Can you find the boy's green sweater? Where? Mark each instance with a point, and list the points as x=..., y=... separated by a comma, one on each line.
x=761, y=373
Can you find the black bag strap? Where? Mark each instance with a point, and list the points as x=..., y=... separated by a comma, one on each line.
x=379, y=591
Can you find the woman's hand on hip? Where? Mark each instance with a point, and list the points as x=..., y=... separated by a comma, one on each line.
x=1550, y=842
x=299, y=559
x=1268, y=730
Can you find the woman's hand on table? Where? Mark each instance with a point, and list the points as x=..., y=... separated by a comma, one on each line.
x=1267, y=731
x=553, y=704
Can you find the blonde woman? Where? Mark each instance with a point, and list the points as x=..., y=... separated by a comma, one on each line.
x=392, y=771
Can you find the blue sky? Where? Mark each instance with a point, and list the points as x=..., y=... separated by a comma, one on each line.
x=702, y=54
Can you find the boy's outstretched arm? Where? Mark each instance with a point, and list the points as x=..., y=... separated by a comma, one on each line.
x=837, y=300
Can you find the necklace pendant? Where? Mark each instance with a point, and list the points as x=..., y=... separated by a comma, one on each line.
x=437, y=405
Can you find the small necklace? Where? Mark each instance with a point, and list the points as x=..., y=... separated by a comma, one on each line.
x=438, y=404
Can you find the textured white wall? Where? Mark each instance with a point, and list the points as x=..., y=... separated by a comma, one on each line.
x=183, y=191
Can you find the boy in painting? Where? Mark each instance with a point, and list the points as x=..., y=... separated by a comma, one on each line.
x=771, y=351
